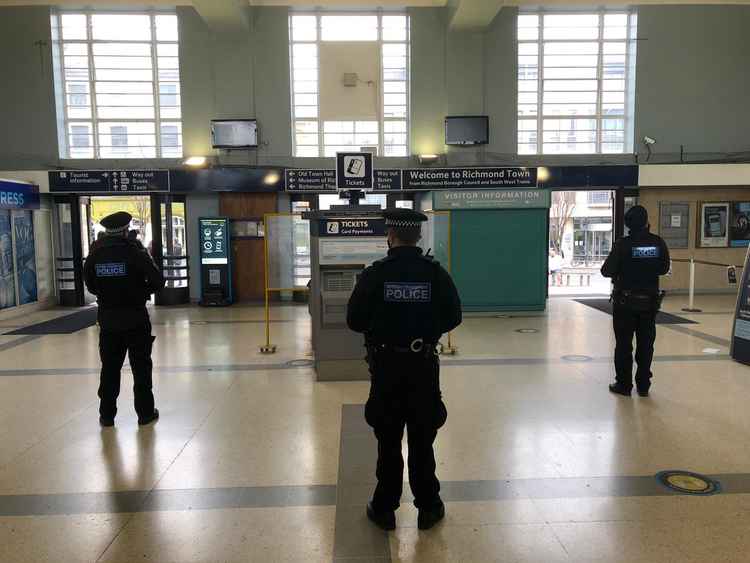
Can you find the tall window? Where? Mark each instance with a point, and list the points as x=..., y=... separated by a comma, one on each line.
x=576, y=76
x=118, y=83
x=313, y=136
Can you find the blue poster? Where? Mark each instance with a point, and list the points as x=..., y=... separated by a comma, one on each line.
x=7, y=283
x=739, y=229
x=23, y=225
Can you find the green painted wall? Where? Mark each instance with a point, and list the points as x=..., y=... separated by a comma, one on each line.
x=499, y=259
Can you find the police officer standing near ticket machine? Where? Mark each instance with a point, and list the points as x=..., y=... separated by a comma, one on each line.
x=635, y=264
x=403, y=304
x=122, y=275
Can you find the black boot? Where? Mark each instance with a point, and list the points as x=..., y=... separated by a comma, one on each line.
x=149, y=419
x=619, y=389
x=382, y=519
x=428, y=518
x=106, y=422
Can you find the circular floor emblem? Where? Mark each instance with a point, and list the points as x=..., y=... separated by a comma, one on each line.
x=577, y=358
x=527, y=330
x=687, y=483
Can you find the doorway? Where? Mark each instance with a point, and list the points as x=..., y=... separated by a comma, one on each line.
x=139, y=206
x=78, y=225
x=581, y=233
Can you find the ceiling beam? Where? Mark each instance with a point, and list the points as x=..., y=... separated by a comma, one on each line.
x=473, y=15
x=224, y=15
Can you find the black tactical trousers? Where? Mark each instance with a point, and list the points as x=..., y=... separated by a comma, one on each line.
x=113, y=345
x=405, y=393
x=627, y=322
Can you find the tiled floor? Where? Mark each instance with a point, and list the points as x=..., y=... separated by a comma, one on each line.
x=245, y=464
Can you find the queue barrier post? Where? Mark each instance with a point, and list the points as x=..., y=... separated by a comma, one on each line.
x=267, y=348
x=691, y=290
x=448, y=348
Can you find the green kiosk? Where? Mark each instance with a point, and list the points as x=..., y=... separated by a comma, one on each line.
x=499, y=240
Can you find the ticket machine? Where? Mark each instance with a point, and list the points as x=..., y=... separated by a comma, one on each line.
x=343, y=242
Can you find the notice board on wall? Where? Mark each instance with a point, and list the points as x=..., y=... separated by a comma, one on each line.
x=674, y=218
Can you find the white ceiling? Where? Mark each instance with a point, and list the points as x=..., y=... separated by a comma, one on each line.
x=464, y=14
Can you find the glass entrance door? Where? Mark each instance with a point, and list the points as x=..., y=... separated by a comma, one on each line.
x=72, y=241
x=171, y=254
x=580, y=238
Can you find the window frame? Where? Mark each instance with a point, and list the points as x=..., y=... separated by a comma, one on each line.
x=599, y=117
x=381, y=119
x=94, y=120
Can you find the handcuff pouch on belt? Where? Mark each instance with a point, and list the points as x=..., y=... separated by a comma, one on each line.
x=417, y=347
x=638, y=301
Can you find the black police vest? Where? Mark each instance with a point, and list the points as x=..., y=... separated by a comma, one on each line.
x=408, y=291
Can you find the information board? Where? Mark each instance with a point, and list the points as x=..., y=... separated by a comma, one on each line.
x=740, y=346
x=214, y=240
x=674, y=220
x=118, y=181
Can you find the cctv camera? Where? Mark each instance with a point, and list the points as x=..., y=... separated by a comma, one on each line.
x=648, y=140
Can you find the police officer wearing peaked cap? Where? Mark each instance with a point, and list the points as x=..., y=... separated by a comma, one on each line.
x=403, y=304
x=122, y=275
x=635, y=264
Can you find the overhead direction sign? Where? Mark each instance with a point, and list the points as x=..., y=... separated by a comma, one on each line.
x=354, y=171
x=94, y=181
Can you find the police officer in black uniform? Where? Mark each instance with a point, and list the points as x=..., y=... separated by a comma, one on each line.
x=122, y=275
x=635, y=264
x=403, y=304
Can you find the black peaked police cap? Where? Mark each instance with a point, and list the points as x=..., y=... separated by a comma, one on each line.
x=117, y=222
x=404, y=218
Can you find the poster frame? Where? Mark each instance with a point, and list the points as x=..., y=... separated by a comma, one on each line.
x=702, y=241
x=732, y=218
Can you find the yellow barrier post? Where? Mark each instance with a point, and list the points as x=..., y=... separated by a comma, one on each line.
x=267, y=348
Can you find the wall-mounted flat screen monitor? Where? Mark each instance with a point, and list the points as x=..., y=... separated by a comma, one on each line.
x=234, y=133
x=467, y=130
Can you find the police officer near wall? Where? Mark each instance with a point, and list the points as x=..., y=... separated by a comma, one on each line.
x=122, y=275
x=635, y=264
x=403, y=304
